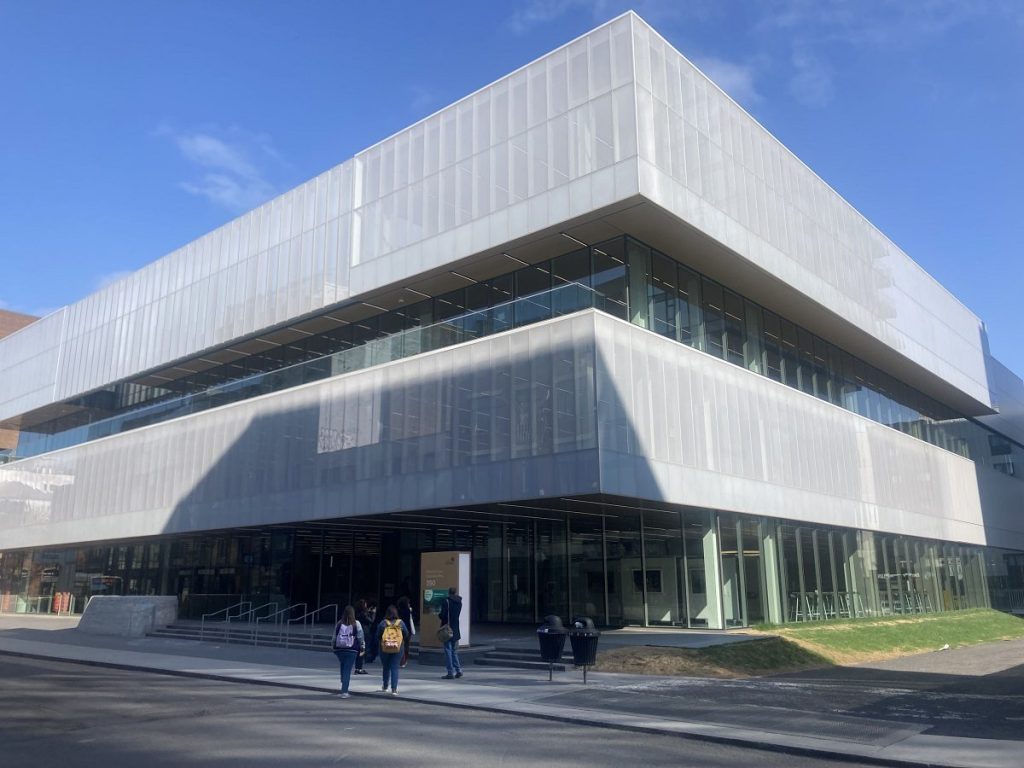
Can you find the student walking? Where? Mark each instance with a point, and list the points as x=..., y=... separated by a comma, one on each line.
x=349, y=644
x=451, y=611
x=392, y=637
x=405, y=614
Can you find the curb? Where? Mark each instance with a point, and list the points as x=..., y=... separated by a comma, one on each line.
x=683, y=733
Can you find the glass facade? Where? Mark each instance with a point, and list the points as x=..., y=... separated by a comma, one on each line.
x=622, y=277
x=598, y=557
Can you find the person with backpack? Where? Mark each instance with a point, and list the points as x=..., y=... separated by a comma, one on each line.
x=392, y=637
x=349, y=643
x=451, y=612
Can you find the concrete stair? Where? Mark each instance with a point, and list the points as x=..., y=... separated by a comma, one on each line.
x=319, y=639
x=521, y=658
x=315, y=639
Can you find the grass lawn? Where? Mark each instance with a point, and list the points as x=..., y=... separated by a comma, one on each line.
x=793, y=647
x=849, y=641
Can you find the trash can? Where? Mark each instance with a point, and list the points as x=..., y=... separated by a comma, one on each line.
x=551, y=636
x=583, y=638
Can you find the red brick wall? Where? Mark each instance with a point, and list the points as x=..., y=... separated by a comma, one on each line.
x=9, y=323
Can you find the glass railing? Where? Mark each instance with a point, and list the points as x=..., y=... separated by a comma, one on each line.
x=563, y=300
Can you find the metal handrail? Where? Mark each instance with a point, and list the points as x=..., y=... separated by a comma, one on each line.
x=227, y=617
x=26, y=600
x=311, y=617
x=251, y=613
x=277, y=620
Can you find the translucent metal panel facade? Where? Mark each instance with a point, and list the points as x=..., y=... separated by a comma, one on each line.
x=1008, y=396
x=577, y=405
x=706, y=160
x=28, y=364
x=611, y=115
x=553, y=140
x=503, y=418
x=684, y=427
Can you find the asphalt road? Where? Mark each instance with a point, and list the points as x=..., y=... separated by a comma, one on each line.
x=77, y=716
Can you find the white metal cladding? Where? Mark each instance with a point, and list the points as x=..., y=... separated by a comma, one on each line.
x=553, y=140
x=506, y=417
x=574, y=405
x=706, y=160
x=682, y=426
x=590, y=124
x=1008, y=396
x=1002, y=498
x=28, y=364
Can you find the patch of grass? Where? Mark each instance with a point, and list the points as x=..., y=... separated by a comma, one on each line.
x=758, y=657
x=795, y=647
x=740, y=659
x=850, y=641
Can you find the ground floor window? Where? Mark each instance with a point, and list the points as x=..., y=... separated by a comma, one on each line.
x=617, y=561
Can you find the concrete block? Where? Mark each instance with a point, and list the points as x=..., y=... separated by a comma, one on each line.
x=130, y=616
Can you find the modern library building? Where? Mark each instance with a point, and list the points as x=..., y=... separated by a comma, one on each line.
x=591, y=324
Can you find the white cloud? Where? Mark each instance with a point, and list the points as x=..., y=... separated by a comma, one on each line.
x=891, y=23
x=543, y=11
x=423, y=101
x=31, y=311
x=230, y=192
x=657, y=12
x=811, y=84
x=232, y=165
x=110, y=278
x=737, y=80
x=210, y=152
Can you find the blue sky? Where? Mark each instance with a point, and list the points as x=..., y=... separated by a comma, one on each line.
x=128, y=129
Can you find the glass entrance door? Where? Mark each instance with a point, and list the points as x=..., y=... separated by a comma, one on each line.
x=519, y=572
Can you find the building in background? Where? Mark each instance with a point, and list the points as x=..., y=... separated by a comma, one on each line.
x=592, y=324
x=9, y=323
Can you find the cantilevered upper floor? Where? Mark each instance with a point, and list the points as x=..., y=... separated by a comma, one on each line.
x=613, y=133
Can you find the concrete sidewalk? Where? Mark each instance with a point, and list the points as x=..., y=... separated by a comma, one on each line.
x=753, y=713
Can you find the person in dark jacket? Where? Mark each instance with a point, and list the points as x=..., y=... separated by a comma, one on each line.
x=405, y=614
x=364, y=621
x=451, y=611
x=391, y=647
x=371, y=639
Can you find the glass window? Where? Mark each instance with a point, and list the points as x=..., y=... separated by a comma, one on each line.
x=586, y=553
x=753, y=572
x=610, y=277
x=714, y=317
x=666, y=573
x=625, y=597
x=805, y=374
x=533, y=282
x=732, y=578
x=688, y=316
x=734, y=329
x=790, y=354
x=772, y=346
x=753, y=353
x=661, y=296
x=552, y=576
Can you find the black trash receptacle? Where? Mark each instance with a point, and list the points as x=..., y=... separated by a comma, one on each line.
x=583, y=638
x=551, y=636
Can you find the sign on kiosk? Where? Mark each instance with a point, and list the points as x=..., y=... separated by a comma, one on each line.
x=438, y=571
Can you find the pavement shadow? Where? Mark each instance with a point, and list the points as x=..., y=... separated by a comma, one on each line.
x=961, y=704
